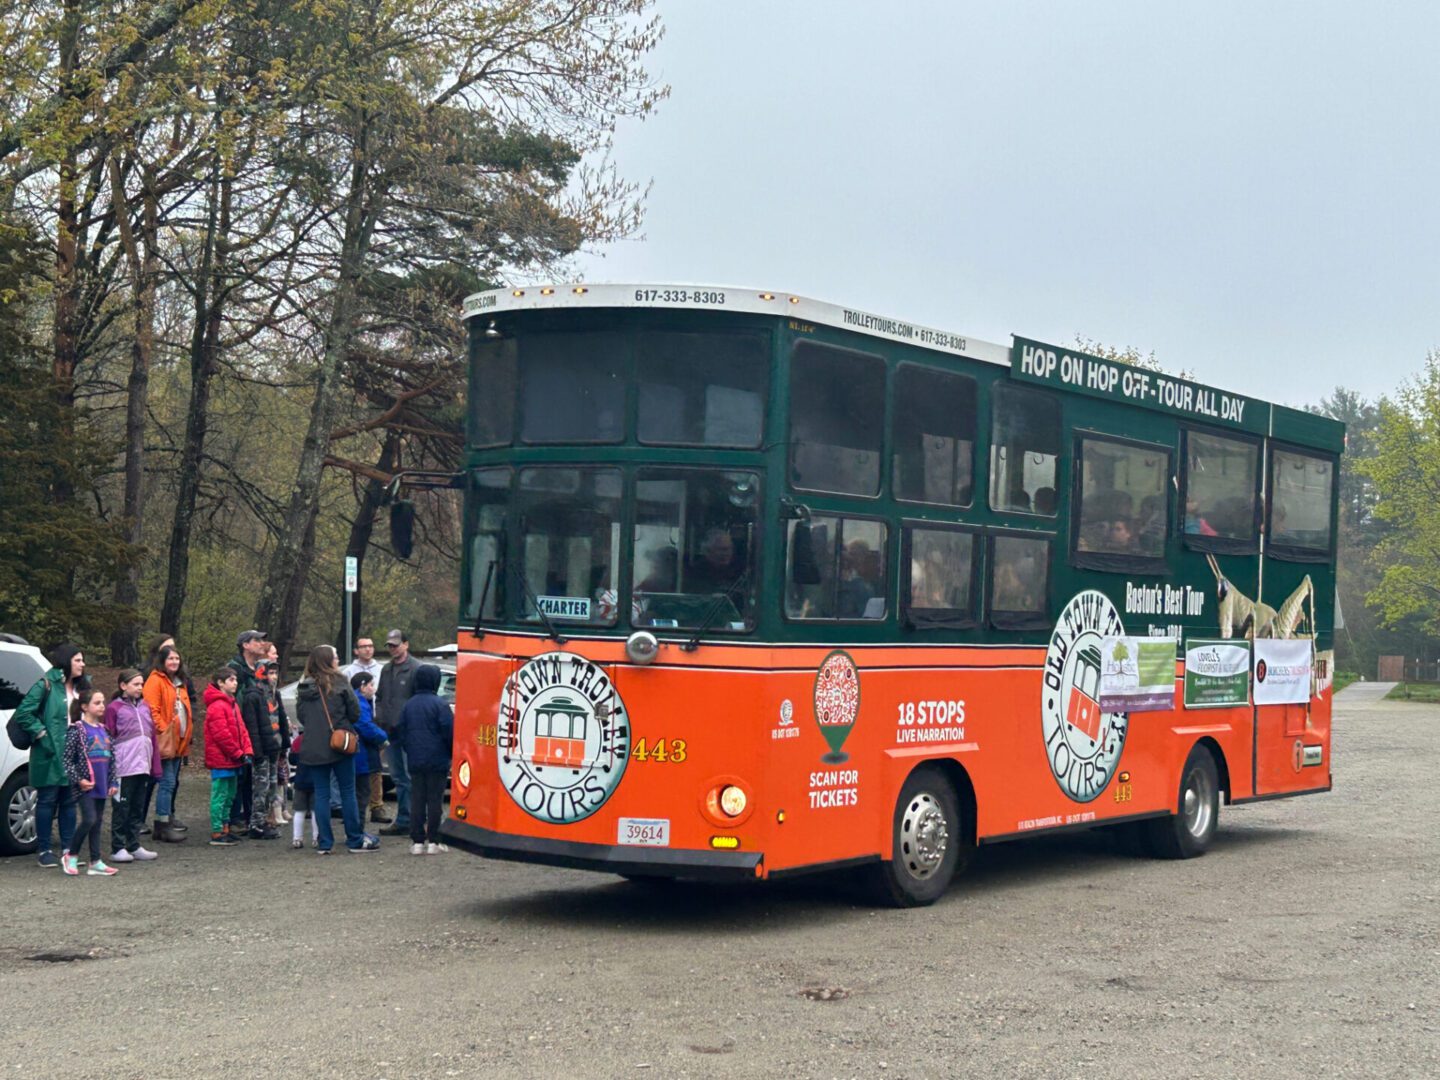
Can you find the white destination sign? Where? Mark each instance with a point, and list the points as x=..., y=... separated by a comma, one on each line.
x=576, y=608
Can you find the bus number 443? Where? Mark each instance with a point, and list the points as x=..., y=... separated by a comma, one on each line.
x=661, y=750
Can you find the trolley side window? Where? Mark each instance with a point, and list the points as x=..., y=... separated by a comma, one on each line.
x=1220, y=486
x=1024, y=451
x=940, y=567
x=1122, y=518
x=493, y=375
x=836, y=569
x=1019, y=582
x=837, y=416
x=934, y=436
x=1302, y=488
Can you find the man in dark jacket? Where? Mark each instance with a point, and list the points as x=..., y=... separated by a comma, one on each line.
x=251, y=647
x=260, y=709
x=426, y=730
x=390, y=699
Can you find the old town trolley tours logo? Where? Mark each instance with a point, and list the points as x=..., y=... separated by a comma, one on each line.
x=1082, y=742
x=563, y=739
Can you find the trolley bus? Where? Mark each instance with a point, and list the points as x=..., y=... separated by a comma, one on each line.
x=755, y=585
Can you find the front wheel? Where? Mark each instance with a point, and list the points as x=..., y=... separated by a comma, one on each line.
x=1188, y=832
x=929, y=845
x=17, y=815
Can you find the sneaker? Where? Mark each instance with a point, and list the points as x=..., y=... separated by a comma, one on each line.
x=68, y=863
x=122, y=856
x=298, y=845
x=417, y=849
x=435, y=849
x=367, y=845
x=322, y=851
x=144, y=854
x=222, y=839
x=99, y=869
x=267, y=833
x=47, y=859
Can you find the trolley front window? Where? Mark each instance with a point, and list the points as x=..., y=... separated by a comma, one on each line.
x=572, y=388
x=702, y=389
x=695, y=548
x=486, y=504
x=569, y=544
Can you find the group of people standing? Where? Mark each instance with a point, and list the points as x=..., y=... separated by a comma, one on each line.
x=87, y=751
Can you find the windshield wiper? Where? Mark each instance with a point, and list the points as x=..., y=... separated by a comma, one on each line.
x=714, y=609
x=535, y=600
x=484, y=595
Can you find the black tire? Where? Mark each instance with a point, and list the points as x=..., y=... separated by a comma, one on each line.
x=929, y=842
x=17, y=806
x=1187, y=833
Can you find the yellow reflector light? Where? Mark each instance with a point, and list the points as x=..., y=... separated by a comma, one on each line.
x=727, y=842
x=580, y=290
x=517, y=292
x=767, y=296
x=464, y=774
x=547, y=292
x=732, y=800
x=794, y=299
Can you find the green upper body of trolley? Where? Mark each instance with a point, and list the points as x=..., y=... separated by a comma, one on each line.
x=876, y=482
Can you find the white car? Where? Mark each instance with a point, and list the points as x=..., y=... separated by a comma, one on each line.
x=20, y=666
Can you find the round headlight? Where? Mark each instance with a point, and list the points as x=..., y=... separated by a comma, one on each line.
x=464, y=774
x=732, y=800
x=642, y=646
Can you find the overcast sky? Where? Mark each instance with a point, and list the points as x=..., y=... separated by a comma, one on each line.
x=1250, y=190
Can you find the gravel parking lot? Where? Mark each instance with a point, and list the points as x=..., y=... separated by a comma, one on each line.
x=1304, y=945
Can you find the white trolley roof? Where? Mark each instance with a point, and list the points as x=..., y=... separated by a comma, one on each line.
x=731, y=298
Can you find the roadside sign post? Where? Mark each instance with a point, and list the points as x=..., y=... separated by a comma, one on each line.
x=352, y=582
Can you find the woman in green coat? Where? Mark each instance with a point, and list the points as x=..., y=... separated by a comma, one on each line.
x=44, y=713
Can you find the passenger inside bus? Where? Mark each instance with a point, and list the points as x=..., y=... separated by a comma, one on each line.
x=860, y=582
x=715, y=570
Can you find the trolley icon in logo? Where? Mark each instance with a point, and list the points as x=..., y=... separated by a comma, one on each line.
x=560, y=727
x=1083, y=712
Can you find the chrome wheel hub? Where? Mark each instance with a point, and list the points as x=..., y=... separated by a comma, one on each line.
x=1198, y=803
x=20, y=815
x=924, y=836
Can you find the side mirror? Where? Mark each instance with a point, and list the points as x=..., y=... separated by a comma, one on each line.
x=804, y=570
x=402, y=527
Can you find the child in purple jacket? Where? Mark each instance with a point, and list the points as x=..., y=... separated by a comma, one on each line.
x=137, y=764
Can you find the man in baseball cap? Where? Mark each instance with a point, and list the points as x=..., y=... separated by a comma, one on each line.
x=390, y=698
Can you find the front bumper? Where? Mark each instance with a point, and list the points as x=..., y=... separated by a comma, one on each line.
x=606, y=858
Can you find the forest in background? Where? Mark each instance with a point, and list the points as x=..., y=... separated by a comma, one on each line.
x=234, y=237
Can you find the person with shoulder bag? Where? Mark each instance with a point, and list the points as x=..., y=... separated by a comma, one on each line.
x=327, y=711
x=167, y=692
x=43, y=716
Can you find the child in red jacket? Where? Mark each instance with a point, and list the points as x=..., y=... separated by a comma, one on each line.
x=227, y=751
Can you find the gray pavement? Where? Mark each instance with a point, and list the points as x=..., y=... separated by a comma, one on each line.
x=1305, y=944
x=1361, y=694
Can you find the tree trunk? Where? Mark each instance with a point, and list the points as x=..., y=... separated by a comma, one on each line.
x=67, y=227
x=125, y=640
x=361, y=530
x=278, y=609
x=204, y=342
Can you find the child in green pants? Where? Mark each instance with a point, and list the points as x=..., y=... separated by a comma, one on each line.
x=227, y=751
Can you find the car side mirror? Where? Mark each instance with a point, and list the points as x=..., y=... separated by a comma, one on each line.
x=402, y=527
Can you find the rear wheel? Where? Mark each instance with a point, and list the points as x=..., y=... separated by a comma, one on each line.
x=17, y=814
x=929, y=845
x=1188, y=832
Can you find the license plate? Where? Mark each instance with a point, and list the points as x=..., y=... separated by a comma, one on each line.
x=645, y=832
